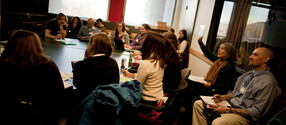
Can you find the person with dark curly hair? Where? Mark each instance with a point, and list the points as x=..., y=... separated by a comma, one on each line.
x=74, y=27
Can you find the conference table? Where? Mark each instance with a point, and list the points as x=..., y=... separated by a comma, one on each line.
x=63, y=54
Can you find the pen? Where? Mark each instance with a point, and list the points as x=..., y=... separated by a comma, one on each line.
x=127, y=68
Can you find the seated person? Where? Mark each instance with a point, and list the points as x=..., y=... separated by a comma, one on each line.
x=220, y=77
x=173, y=39
x=140, y=38
x=183, y=48
x=29, y=78
x=253, y=95
x=172, y=73
x=99, y=25
x=74, y=27
x=151, y=69
x=87, y=31
x=120, y=33
x=170, y=30
x=57, y=27
x=97, y=68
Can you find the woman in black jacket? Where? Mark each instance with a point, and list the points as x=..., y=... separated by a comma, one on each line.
x=221, y=75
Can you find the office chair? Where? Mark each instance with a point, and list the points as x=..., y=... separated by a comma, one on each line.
x=167, y=113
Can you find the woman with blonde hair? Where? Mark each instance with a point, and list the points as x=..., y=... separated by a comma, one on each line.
x=29, y=78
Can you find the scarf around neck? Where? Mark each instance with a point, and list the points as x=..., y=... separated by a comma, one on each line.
x=214, y=70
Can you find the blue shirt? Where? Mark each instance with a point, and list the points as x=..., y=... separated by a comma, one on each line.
x=258, y=95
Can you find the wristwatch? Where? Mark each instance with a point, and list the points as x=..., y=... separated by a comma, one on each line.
x=227, y=110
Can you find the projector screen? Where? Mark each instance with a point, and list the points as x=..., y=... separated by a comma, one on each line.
x=82, y=8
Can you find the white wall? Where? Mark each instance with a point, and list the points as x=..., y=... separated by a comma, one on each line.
x=204, y=16
x=168, y=4
x=55, y=6
x=177, y=16
x=185, y=16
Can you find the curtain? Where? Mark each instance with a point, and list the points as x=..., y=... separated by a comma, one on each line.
x=238, y=20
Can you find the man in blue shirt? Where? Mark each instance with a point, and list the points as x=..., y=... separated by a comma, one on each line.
x=253, y=94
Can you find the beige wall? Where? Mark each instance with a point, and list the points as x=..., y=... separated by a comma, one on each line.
x=185, y=16
x=176, y=22
x=204, y=16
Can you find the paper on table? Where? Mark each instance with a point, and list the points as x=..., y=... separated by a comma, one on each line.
x=197, y=79
x=66, y=76
x=123, y=79
x=63, y=41
x=209, y=101
x=60, y=40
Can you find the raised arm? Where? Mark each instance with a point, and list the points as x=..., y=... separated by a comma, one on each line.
x=207, y=52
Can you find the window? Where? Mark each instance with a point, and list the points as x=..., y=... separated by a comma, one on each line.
x=248, y=26
x=255, y=24
x=138, y=12
x=81, y=8
x=224, y=19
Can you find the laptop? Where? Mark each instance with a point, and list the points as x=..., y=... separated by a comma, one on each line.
x=120, y=45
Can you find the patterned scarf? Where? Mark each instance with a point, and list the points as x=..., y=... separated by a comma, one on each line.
x=213, y=71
